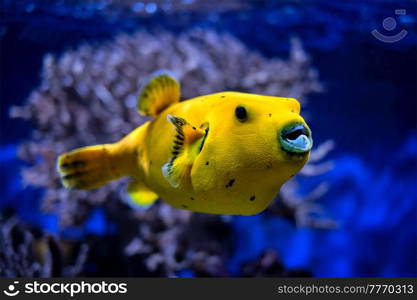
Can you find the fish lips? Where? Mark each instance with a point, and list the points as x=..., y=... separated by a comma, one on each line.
x=295, y=138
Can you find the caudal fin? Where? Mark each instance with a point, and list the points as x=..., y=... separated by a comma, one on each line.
x=87, y=168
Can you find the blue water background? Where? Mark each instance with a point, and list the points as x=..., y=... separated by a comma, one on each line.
x=368, y=108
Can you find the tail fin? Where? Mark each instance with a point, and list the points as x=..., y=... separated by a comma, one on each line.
x=88, y=168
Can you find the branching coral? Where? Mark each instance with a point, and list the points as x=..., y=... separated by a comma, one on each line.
x=88, y=96
x=27, y=252
x=269, y=265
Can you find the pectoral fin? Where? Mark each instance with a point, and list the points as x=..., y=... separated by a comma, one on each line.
x=159, y=92
x=187, y=144
x=140, y=194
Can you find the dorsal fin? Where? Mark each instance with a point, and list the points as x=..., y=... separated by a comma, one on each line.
x=185, y=148
x=159, y=91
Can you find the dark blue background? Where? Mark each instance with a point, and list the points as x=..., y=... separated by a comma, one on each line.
x=368, y=108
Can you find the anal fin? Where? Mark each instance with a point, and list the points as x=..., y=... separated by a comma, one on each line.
x=140, y=194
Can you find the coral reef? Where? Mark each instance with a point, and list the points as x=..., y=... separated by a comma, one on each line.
x=269, y=265
x=88, y=96
x=28, y=252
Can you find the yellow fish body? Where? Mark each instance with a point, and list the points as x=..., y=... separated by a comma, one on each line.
x=224, y=153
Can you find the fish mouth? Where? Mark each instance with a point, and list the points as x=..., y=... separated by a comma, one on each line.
x=295, y=138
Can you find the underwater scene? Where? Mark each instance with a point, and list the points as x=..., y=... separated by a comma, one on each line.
x=75, y=74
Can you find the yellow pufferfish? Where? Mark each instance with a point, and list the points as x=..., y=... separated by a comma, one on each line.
x=223, y=153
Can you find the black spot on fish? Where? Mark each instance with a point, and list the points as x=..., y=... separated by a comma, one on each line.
x=207, y=163
x=252, y=198
x=269, y=166
x=114, y=170
x=194, y=128
x=184, y=206
x=177, y=147
x=231, y=181
x=151, y=162
x=270, y=115
x=222, y=96
x=175, y=153
x=191, y=198
x=181, y=138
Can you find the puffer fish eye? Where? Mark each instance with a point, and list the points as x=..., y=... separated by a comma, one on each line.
x=241, y=113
